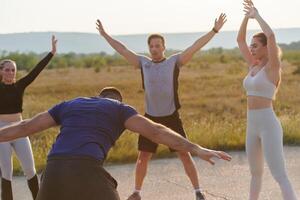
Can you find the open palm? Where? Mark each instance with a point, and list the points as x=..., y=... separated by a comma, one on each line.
x=249, y=9
x=220, y=21
x=54, y=42
x=99, y=27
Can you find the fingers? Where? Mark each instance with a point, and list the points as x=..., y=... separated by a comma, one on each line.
x=222, y=16
x=211, y=162
x=217, y=154
x=54, y=40
x=99, y=26
x=213, y=155
x=224, y=156
x=250, y=2
x=222, y=19
x=98, y=23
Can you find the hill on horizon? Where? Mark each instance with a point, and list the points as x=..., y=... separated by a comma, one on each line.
x=85, y=43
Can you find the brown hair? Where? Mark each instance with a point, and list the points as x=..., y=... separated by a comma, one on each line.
x=156, y=35
x=264, y=40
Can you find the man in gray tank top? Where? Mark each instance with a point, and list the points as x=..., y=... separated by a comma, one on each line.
x=160, y=83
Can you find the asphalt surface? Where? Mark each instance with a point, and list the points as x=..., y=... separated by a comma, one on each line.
x=166, y=179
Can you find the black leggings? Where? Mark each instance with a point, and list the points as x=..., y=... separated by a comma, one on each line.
x=76, y=178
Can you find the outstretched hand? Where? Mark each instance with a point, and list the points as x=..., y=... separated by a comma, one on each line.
x=249, y=9
x=100, y=27
x=220, y=22
x=54, y=42
x=208, y=155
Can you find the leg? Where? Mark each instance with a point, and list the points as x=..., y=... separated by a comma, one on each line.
x=23, y=151
x=189, y=167
x=273, y=150
x=6, y=170
x=255, y=159
x=141, y=168
x=146, y=149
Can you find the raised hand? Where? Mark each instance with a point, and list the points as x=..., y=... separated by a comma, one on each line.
x=220, y=22
x=54, y=42
x=249, y=9
x=100, y=27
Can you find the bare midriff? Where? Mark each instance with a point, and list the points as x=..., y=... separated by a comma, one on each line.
x=15, y=117
x=255, y=102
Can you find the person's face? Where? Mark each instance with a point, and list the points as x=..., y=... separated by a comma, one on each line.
x=156, y=48
x=8, y=72
x=257, y=49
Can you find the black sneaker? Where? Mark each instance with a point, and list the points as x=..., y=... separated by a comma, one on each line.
x=200, y=196
x=134, y=196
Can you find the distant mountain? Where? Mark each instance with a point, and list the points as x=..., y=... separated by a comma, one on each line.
x=92, y=43
x=291, y=46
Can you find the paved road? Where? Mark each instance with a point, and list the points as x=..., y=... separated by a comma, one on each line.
x=166, y=179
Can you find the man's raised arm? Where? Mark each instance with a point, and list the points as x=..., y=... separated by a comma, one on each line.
x=129, y=55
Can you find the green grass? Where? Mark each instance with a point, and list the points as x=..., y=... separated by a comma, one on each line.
x=213, y=104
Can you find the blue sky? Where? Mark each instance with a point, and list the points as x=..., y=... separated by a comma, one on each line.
x=138, y=16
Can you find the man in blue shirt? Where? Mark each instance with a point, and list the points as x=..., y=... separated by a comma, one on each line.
x=89, y=128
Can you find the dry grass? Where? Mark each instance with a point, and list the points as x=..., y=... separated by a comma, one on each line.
x=213, y=104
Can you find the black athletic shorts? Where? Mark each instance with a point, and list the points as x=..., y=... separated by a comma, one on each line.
x=172, y=121
x=76, y=178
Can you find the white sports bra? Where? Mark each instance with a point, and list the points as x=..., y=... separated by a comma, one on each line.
x=259, y=85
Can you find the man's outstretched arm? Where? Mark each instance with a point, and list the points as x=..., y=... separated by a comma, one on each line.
x=129, y=55
x=163, y=135
x=187, y=54
x=40, y=122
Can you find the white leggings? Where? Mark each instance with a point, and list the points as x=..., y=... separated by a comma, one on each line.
x=23, y=151
x=264, y=137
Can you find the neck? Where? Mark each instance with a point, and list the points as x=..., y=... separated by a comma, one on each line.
x=158, y=59
x=7, y=82
x=262, y=62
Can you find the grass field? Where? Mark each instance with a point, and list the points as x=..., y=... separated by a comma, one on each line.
x=212, y=98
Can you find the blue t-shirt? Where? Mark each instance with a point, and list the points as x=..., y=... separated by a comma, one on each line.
x=89, y=126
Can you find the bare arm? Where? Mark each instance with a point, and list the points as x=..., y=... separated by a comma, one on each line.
x=28, y=127
x=243, y=46
x=163, y=135
x=129, y=55
x=251, y=12
x=187, y=54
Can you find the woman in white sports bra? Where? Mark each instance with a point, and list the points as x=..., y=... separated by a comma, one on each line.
x=264, y=131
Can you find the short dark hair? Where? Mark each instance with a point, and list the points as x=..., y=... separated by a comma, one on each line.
x=156, y=35
x=110, y=90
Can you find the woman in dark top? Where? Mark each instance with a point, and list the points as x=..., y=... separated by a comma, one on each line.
x=11, y=100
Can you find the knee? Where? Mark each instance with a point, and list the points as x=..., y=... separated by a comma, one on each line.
x=257, y=173
x=144, y=157
x=6, y=172
x=29, y=172
x=185, y=157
